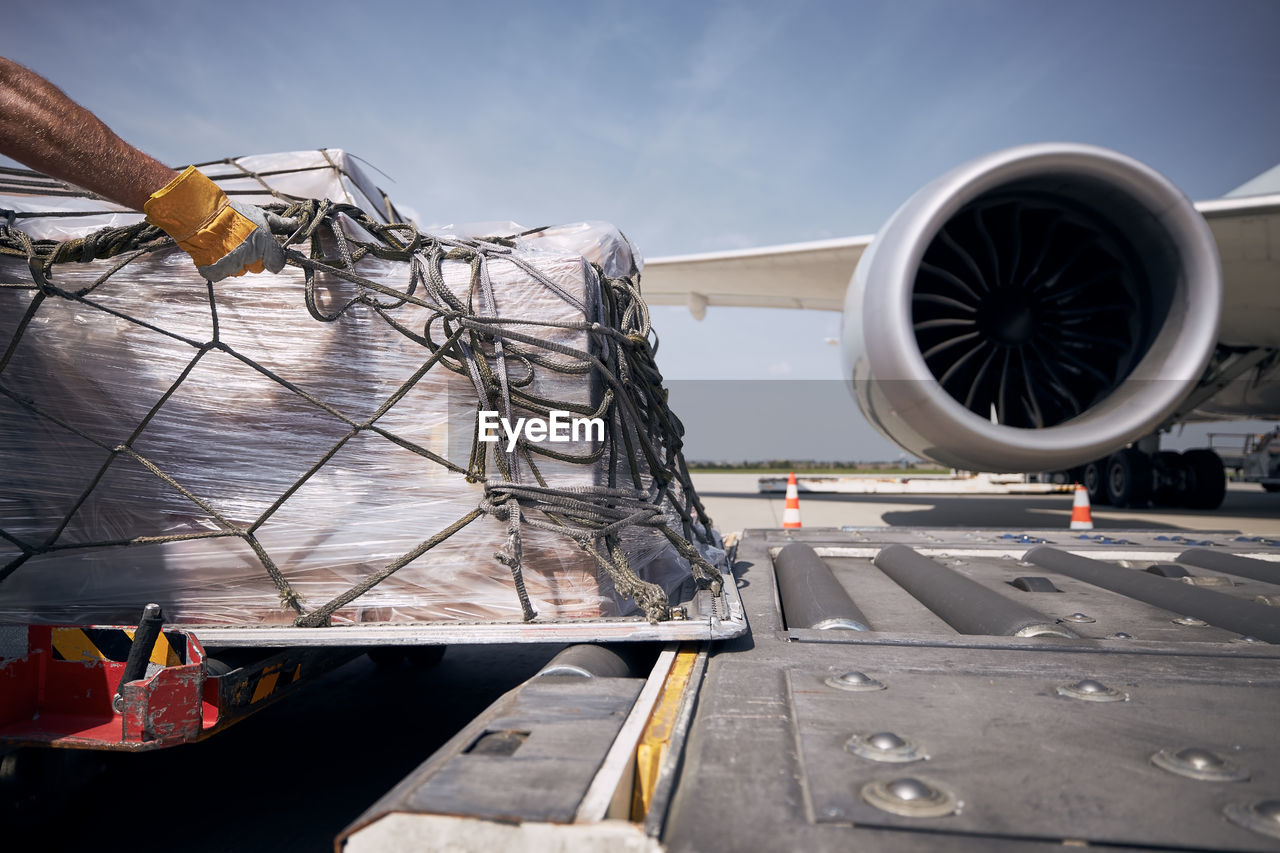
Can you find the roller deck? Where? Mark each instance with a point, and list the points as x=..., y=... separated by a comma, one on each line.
x=1131, y=726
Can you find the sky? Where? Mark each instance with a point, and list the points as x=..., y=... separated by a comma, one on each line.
x=693, y=126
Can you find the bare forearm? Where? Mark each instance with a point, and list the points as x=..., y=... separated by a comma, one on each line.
x=44, y=129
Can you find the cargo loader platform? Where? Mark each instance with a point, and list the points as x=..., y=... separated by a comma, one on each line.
x=938, y=727
x=906, y=689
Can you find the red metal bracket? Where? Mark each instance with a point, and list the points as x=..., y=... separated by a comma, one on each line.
x=60, y=693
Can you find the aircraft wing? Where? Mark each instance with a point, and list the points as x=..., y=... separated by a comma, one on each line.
x=1247, y=233
x=796, y=275
x=815, y=274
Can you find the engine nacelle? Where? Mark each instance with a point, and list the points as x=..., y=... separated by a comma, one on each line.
x=1033, y=310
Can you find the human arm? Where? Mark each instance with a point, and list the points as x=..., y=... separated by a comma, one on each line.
x=43, y=128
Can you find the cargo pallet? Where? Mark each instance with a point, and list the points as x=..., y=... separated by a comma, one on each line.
x=75, y=686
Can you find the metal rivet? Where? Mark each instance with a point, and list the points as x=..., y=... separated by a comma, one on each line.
x=1191, y=621
x=909, y=789
x=1078, y=617
x=1092, y=690
x=1261, y=817
x=854, y=681
x=910, y=797
x=1199, y=758
x=885, y=746
x=885, y=740
x=1200, y=764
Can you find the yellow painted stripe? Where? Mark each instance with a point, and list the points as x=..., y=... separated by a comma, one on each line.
x=162, y=654
x=657, y=732
x=74, y=644
x=169, y=656
x=265, y=685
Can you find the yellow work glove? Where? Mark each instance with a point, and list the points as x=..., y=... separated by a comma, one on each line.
x=223, y=237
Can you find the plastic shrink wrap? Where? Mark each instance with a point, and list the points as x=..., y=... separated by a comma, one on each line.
x=223, y=436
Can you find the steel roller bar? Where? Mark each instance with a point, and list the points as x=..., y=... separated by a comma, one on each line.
x=1232, y=564
x=587, y=660
x=811, y=595
x=965, y=605
x=1216, y=608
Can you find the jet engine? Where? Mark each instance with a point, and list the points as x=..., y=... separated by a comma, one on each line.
x=1033, y=310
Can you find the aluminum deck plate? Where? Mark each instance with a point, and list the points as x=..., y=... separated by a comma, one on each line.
x=782, y=755
x=703, y=617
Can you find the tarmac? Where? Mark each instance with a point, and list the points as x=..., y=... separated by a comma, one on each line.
x=734, y=504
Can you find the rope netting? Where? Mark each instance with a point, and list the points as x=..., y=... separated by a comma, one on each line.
x=644, y=482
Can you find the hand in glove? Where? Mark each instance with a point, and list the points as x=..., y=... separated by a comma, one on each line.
x=223, y=237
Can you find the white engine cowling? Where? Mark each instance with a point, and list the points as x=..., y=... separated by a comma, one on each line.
x=1033, y=310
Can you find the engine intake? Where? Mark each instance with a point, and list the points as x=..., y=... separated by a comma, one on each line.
x=1033, y=309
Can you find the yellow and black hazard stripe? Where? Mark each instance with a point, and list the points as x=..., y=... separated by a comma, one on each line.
x=271, y=680
x=112, y=644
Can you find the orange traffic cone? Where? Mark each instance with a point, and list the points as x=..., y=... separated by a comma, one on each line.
x=1081, y=516
x=791, y=514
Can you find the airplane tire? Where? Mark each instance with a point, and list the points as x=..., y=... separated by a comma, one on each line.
x=1206, y=479
x=1271, y=487
x=1128, y=479
x=1171, y=490
x=1094, y=478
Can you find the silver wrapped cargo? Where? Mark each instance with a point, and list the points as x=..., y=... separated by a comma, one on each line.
x=276, y=457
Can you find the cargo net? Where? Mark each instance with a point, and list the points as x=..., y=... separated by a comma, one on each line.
x=646, y=484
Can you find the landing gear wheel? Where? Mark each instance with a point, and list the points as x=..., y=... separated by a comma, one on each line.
x=1206, y=481
x=1271, y=487
x=1093, y=477
x=1171, y=478
x=1129, y=478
